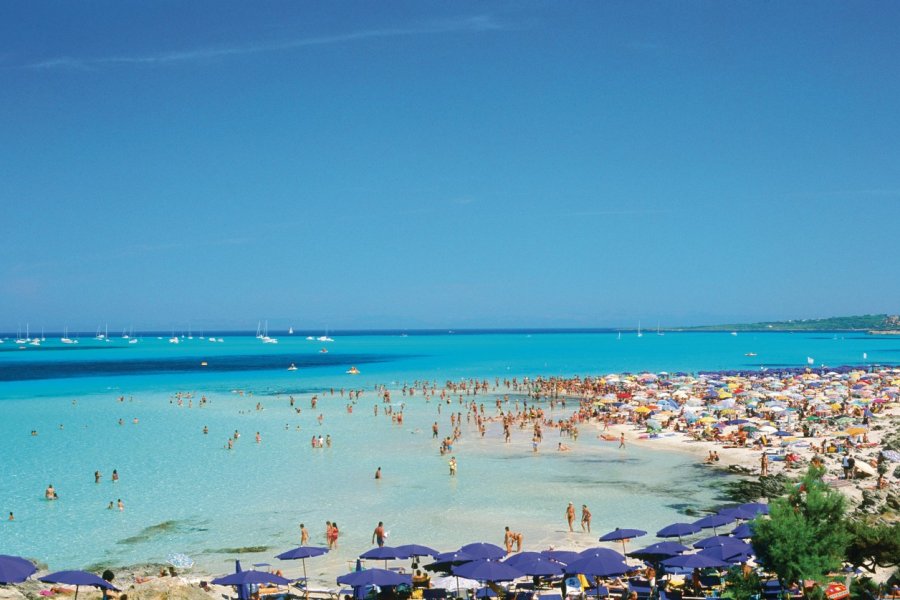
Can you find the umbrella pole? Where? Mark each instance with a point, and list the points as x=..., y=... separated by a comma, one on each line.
x=305, y=579
x=76, y=592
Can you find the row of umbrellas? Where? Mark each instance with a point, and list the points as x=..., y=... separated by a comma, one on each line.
x=14, y=569
x=484, y=561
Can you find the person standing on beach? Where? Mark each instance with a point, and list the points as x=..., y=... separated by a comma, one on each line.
x=585, y=518
x=622, y=440
x=452, y=466
x=378, y=534
x=304, y=535
x=570, y=516
x=333, y=539
x=764, y=465
x=378, y=473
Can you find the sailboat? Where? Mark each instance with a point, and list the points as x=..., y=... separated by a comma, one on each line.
x=619, y=336
x=639, y=334
x=265, y=336
x=658, y=332
x=174, y=339
x=20, y=339
x=290, y=331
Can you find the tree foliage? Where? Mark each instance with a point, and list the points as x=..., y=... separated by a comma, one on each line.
x=805, y=535
x=873, y=544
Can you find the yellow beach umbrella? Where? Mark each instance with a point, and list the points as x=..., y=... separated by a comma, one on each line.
x=856, y=430
x=642, y=409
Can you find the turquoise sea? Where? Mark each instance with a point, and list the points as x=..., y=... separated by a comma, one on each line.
x=184, y=492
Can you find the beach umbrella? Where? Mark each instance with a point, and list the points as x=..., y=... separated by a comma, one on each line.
x=694, y=561
x=487, y=570
x=483, y=550
x=678, y=530
x=758, y=508
x=622, y=535
x=302, y=553
x=251, y=577
x=485, y=592
x=379, y=577
x=659, y=551
x=716, y=540
x=445, y=560
x=713, y=521
x=14, y=569
x=534, y=564
x=728, y=554
x=597, y=566
x=414, y=550
x=562, y=556
x=384, y=553
x=742, y=531
x=78, y=579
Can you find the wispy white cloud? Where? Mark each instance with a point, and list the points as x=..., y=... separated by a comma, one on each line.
x=474, y=24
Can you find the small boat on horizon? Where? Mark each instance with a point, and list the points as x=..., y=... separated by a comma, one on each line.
x=750, y=354
x=293, y=367
x=352, y=371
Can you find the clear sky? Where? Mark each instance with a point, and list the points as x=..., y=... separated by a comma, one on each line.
x=447, y=164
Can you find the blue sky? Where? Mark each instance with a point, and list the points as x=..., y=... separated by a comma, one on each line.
x=452, y=164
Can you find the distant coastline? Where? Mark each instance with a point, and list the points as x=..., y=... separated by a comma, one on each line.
x=882, y=324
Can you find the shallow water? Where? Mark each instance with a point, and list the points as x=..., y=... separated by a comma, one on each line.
x=184, y=492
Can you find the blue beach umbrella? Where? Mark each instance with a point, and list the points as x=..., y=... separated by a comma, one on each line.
x=445, y=560
x=485, y=592
x=713, y=521
x=694, y=561
x=251, y=577
x=302, y=553
x=620, y=535
x=14, y=569
x=487, y=570
x=384, y=553
x=379, y=577
x=534, y=564
x=659, y=551
x=678, y=530
x=562, y=556
x=483, y=550
x=597, y=566
x=78, y=579
x=743, y=531
x=601, y=551
x=729, y=554
x=413, y=550
x=716, y=540
x=758, y=508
